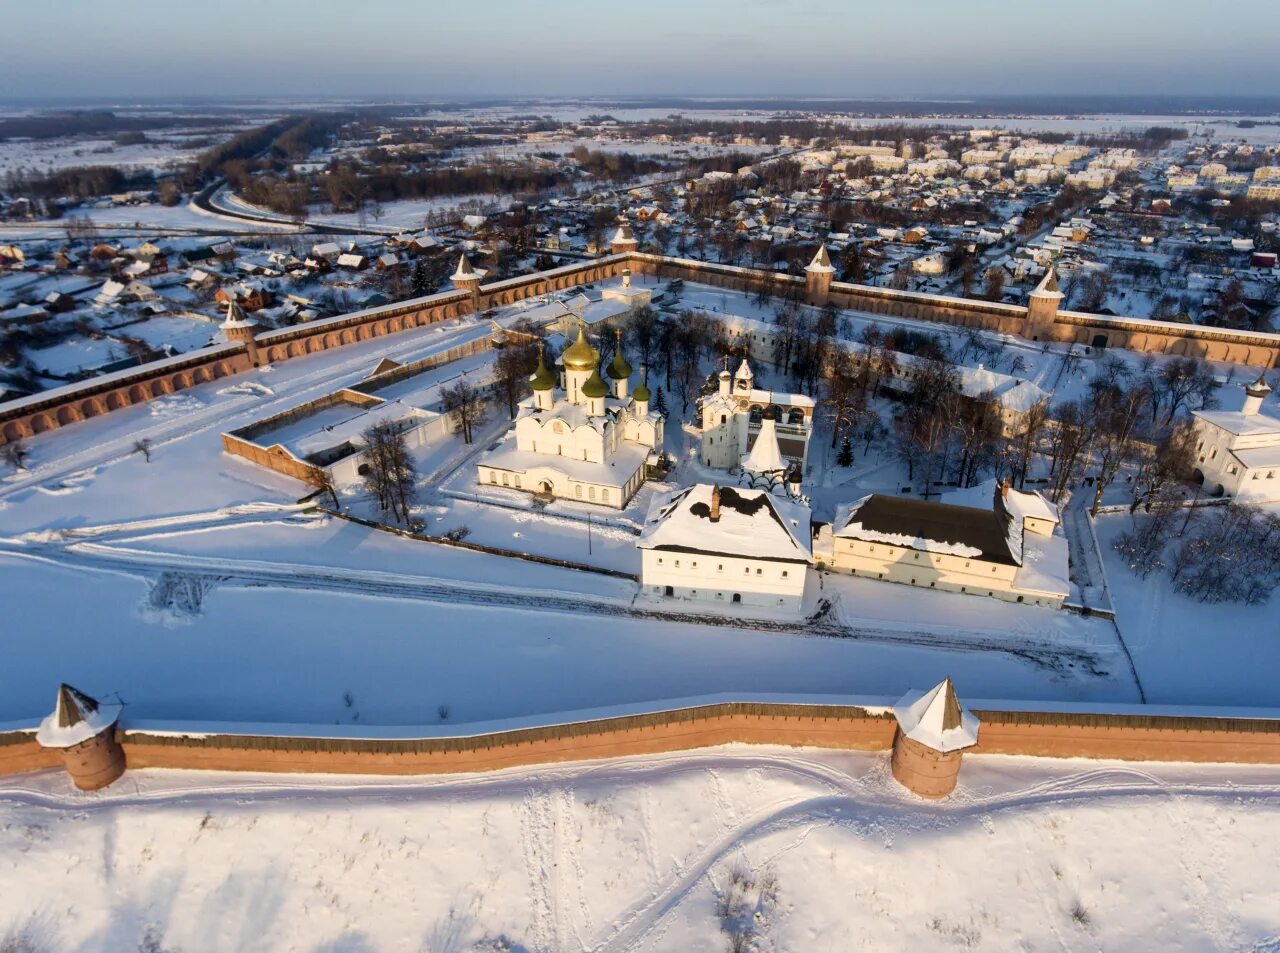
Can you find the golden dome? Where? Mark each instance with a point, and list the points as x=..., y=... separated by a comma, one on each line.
x=580, y=356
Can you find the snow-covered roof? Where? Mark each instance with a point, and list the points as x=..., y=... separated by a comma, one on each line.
x=1019, y=503
x=821, y=262
x=752, y=524
x=927, y=527
x=1241, y=424
x=75, y=718
x=936, y=719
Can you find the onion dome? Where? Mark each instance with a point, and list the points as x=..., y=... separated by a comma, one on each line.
x=619, y=369
x=595, y=385
x=641, y=393
x=542, y=378
x=580, y=356
x=1259, y=388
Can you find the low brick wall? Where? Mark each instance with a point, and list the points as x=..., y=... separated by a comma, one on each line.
x=838, y=728
x=1126, y=737
x=20, y=753
x=1130, y=737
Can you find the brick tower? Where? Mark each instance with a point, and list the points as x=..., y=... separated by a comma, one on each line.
x=240, y=329
x=465, y=278
x=623, y=241
x=84, y=731
x=818, y=275
x=933, y=733
x=1042, y=308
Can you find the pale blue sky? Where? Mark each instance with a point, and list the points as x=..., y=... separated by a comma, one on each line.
x=170, y=48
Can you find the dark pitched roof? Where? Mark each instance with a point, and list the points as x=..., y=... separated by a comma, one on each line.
x=943, y=522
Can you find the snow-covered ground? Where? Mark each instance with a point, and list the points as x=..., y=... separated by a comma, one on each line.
x=1185, y=650
x=795, y=850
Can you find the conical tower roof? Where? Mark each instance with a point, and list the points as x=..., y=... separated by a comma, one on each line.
x=821, y=261
x=1049, y=284
x=76, y=717
x=72, y=707
x=580, y=355
x=235, y=317
x=936, y=719
x=464, y=269
x=765, y=457
x=623, y=235
x=619, y=369
x=542, y=378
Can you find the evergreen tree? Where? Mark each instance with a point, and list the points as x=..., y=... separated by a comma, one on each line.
x=422, y=282
x=660, y=402
x=845, y=457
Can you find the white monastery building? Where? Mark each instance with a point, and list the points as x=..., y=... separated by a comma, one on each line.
x=727, y=545
x=1238, y=451
x=579, y=438
x=732, y=419
x=1009, y=547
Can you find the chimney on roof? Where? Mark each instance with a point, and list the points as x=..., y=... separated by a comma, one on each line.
x=715, y=503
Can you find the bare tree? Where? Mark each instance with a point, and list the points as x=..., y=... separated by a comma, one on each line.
x=390, y=476
x=515, y=364
x=1031, y=428
x=466, y=405
x=1170, y=463
x=143, y=447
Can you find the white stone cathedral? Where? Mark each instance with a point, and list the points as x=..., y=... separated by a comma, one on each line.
x=577, y=437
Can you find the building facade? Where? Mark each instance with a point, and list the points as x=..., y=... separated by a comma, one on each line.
x=1011, y=549
x=1238, y=452
x=727, y=546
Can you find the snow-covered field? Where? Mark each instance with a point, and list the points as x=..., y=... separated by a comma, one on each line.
x=793, y=851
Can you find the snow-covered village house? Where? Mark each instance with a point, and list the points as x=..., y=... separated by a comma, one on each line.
x=728, y=546
x=733, y=416
x=577, y=437
x=1009, y=548
x=1238, y=451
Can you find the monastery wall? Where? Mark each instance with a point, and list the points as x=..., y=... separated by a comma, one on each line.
x=1127, y=736
x=60, y=406
x=49, y=410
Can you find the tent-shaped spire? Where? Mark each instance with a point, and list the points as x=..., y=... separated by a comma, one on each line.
x=936, y=719
x=765, y=457
x=623, y=235
x=1048, y=284
x=235, y=317
x=76, y=718
x=744, y=370
x=72, y=706
x=464, y=270
x=821, y=261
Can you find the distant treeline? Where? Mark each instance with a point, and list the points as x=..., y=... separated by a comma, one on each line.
x=82, y=182
x=88, y=123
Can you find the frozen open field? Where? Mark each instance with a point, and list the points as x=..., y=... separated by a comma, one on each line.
x=794, y=851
